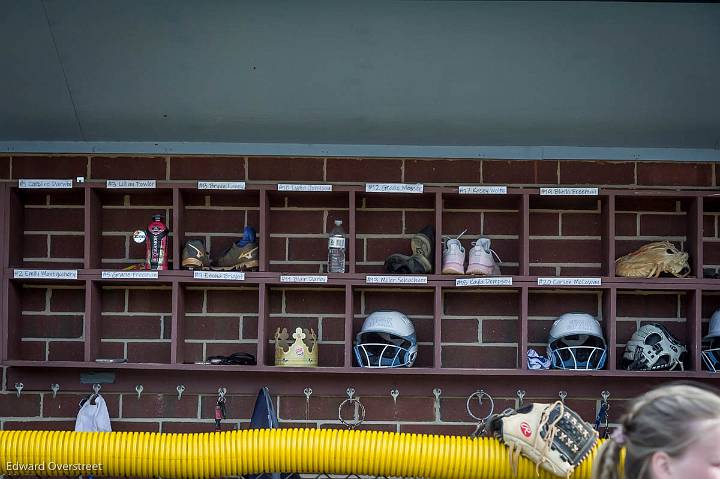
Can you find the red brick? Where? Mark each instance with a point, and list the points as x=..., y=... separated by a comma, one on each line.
x=320, y=407
x=626, y=224
x=232, y=301
x=410, y=303
x=481, y=303
x=150, y=300
x=354, y=170
x=555, y=303
x=379, y=222
x=580, y=271
x=129, y=220
x=66, y=197
x=66, y=246
x=54, y=219
x=501, y=223
x=396, y=201
x=623, y=247
x=711, y=253
x=148, y=352
x=709, y=226
x=308, y=249
x=290, y=324
x=479, y=357
x=113, y=247
x=333, y=329
x=41, y=425
x=633, y=204
x=291, y=221
x=32, y=350
x=64, y=167
x=130, y=327
x=378, y=249
x=581, y=224
x=33, y=299
x=275, y=300
x=565, y=251
x=499, y=331
x=226, y=349
x=149, y=198
x=597, y=173
x=128, y=167
x=189, y=427
x=113, y=300
x=438, y=429
x=35, y=246
x=5, y=167
x=277, y=249
x=207, y=168
x=460, y=331
x=66, y=351
x=67, y=405
x=28, y=405
x=564, y=203
x=315, y=301
x=663, y=225
x=424, y=357
x=240, y=407
x=710, y=304
x=249, y=327
x=455, y=223
x=214, y=221
x=520, y=172
x=417, y=220
x=67, y=300
x=288, y=169
x=647, y=305
x=337, y=215
x=159, y=406
x=544, y=224
x=51, y=326
x=131, y=426
x=442, y=171
x=316, y=200
x=331, y=355
x=385, y=409
x=674, y=174
x=199, y=327
x=111, y=350
x=54, y=265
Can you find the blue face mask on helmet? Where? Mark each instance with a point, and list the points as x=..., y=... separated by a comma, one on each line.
x=576, y=342
x=386, y=340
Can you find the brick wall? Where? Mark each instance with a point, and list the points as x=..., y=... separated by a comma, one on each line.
x=479, y=328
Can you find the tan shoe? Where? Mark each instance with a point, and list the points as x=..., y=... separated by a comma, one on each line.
x=238, y=258
x=195, y=256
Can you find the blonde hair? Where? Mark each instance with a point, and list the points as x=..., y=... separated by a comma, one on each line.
x=662, y=420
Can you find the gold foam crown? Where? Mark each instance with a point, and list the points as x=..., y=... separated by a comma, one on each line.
x=300, y=352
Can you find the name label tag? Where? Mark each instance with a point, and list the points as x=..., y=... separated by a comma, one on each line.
x=296, y=187
x=568, y=191
x=221, y=185
x=310, y=278
x=393, y=188
x=45, y=184
x=134, y=184
x=389, y=279
x=482, y=190
x=45, y=274
x=502, y=281
x=569, y=281
x=220, y=275
x=129, y=275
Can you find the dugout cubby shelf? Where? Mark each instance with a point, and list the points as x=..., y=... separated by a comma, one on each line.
x=88, y=228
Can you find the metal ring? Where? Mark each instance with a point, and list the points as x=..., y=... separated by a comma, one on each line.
x=480, y=395
x=352, y=424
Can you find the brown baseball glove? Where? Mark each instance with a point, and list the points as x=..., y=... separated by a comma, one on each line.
x=651, y=260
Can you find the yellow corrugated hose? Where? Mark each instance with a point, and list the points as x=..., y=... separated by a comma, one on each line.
x=252, y=451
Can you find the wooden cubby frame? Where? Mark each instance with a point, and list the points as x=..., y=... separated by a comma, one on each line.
x=90, y=276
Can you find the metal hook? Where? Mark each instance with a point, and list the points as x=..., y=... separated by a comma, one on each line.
x=221, y=394
x=139, y=388
x=394, y=393
x=308, y=393
x=180, y=390
x=605, y=395
x=521, y=395
x=563, y=395
x=54, y=388
x=96, y=388
x=19, y=387
x=350, y=392
x=437, y=392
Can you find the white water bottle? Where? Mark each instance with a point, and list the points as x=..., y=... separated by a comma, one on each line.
x=336, y=249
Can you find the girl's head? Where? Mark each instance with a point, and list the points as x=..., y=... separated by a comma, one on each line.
x=670, y=432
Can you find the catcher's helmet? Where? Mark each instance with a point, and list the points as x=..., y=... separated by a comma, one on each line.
x=652, y=347
x=386, y=340
x=711, y=344
x=576, y=342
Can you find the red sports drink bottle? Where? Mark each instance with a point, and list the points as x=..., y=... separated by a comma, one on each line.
x=157, y=244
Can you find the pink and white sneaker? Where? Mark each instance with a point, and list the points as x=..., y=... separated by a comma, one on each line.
x=453, y=257
x=481, y=260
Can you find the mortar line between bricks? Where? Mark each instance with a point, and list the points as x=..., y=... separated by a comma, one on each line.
x=4, y=379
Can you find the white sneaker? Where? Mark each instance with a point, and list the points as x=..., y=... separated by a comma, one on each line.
x=453, y=257
x=481, y=260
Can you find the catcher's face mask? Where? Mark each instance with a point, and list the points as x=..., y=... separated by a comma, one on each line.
x=711, y=355
x=381, y=350
x=578, y=351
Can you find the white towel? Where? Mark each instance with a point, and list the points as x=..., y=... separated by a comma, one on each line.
x=93, y=417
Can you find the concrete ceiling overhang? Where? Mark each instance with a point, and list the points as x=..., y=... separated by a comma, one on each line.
x=422, y=73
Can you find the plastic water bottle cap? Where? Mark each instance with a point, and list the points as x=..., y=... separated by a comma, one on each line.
x=338, y=222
